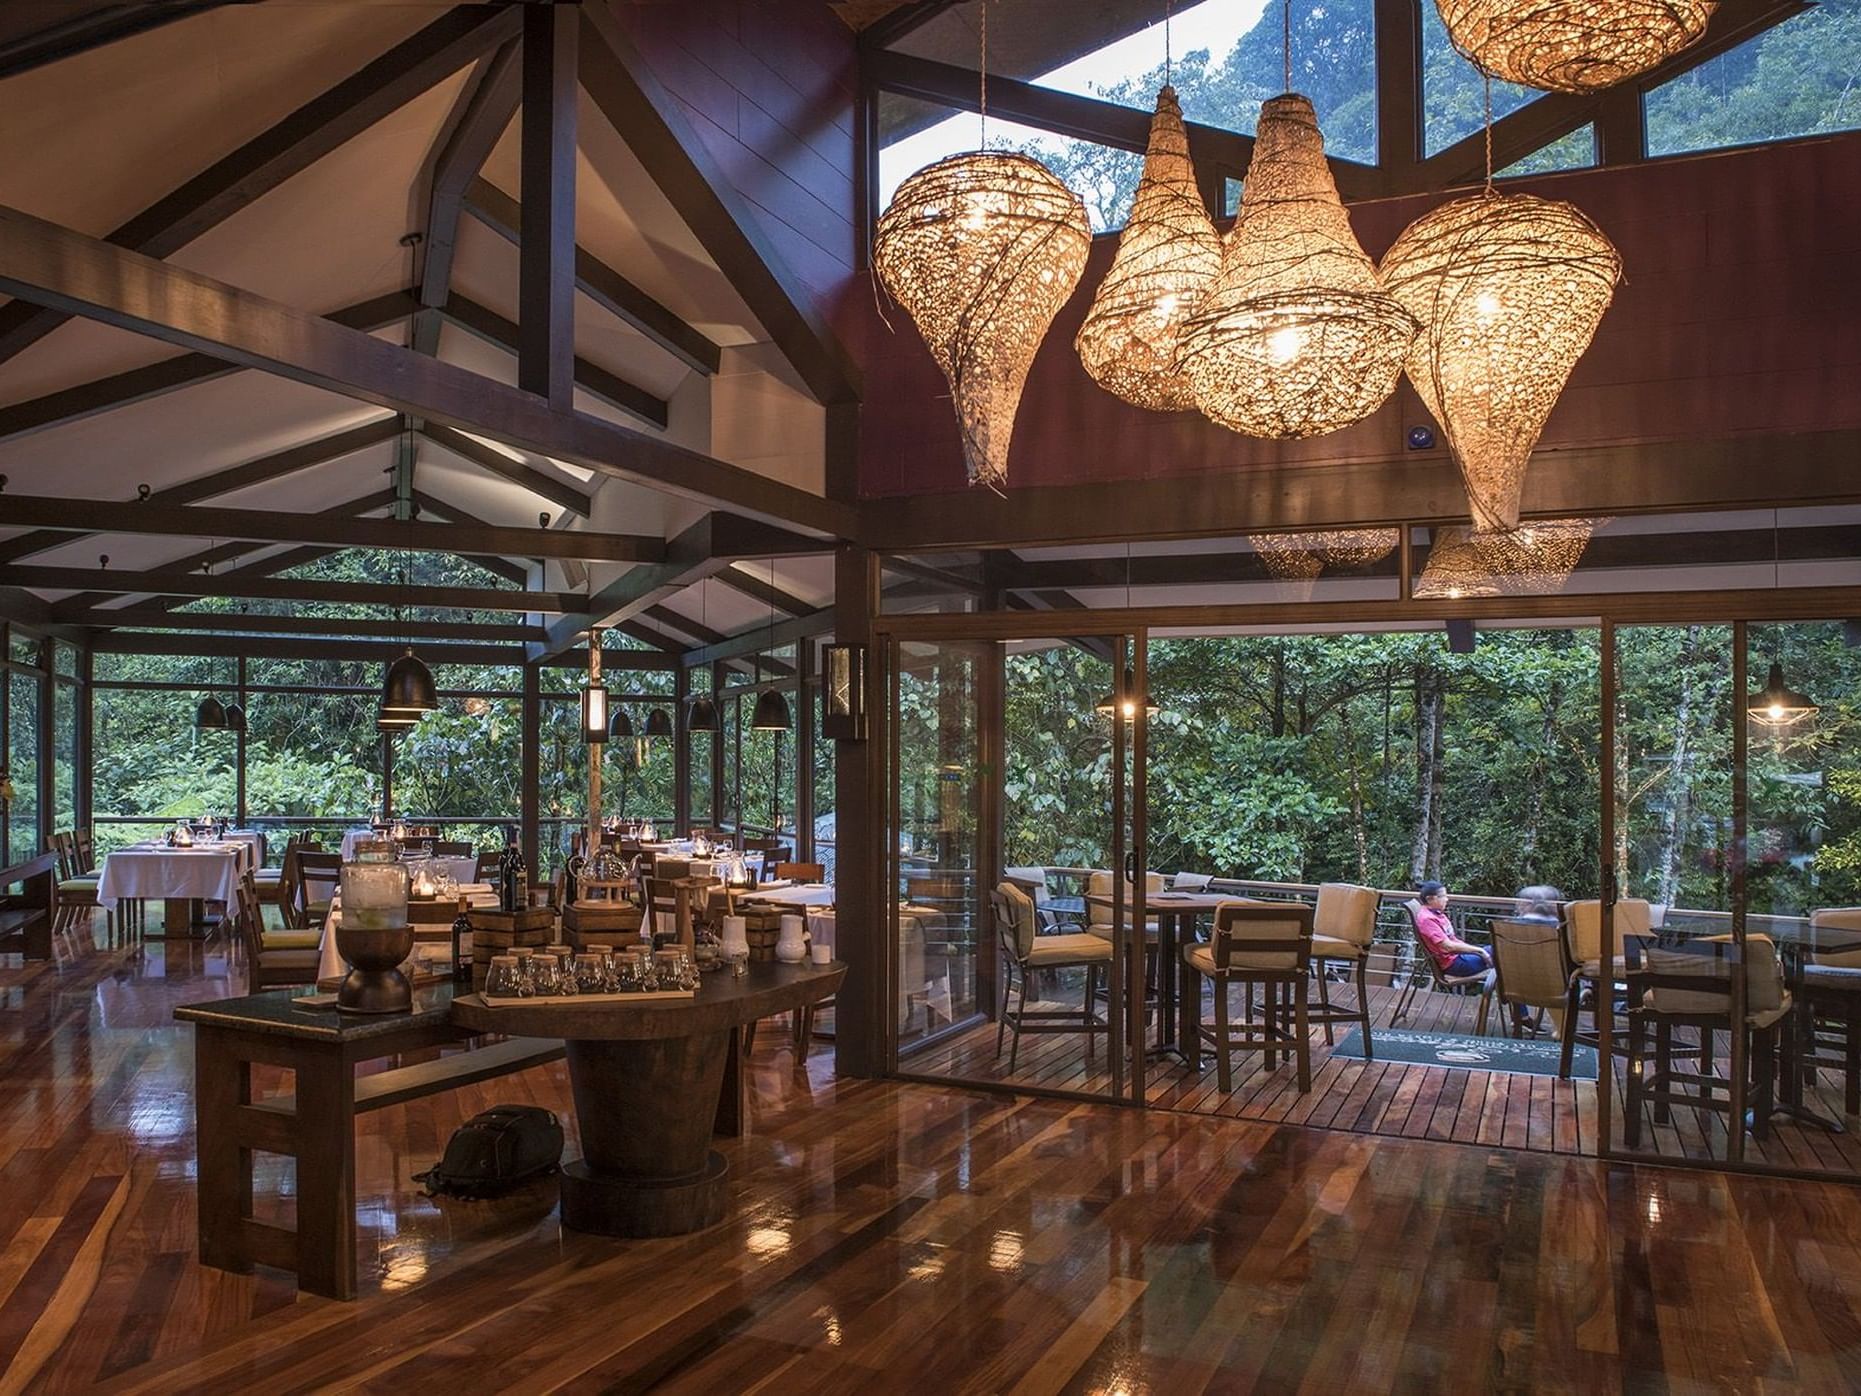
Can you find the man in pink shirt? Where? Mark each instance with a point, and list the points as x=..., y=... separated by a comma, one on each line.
x=1456, y=958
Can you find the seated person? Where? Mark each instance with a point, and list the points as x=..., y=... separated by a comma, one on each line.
x=1538, y=903
x=1454, y=957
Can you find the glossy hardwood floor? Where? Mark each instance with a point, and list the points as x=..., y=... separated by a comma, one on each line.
x=889, y=1236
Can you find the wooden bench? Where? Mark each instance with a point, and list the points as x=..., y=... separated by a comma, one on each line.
x=26, y=915
x=315, y=1122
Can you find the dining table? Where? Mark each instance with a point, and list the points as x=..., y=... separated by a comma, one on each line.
x=1175, y=915
x=184, y=879
x=916, y=987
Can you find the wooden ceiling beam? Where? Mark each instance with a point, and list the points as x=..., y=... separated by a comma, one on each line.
x=236, y=584
x=888, y=29
x=546, y=250
x=90, y=26
x=557, y=491
x=764, y=593
x=611, y=388
x=286, y=647
x=752, y=642
x=56, y=266
x=266, y=161
x=138, y=617
x=654, y=124
x=606, y=287
x=83, y=400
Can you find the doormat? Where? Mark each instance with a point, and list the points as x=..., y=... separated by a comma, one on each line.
x=1520, y=1056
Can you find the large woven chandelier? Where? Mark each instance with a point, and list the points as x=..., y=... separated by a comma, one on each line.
x=1302, y=556
x=1167, y=255
x=982, y=250
x=1296, y=337
x=1572, y=45
x=1533, y=558
x=1509, y=290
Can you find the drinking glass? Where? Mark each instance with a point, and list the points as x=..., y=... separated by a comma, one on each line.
x=501, y=978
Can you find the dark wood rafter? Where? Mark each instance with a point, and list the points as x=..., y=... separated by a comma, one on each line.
x=260, y=588
x=890, y=28
x=248, y=622
x=655, y=127
x=1742, y=472
x=590, y=377
x=760, y=590
x=560, y=492
x=546, y=251
x=43, y=262
x=606, y=287
x=236, y=180
x=1555, y=115
x=337, y=528
x=85, y=27
x=75, y=404
x=1399, y=145
x=294, y=647
x=292, y=459
x=646, y=634
x=764, y=637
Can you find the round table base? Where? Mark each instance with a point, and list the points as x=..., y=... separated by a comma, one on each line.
x=609, y=1205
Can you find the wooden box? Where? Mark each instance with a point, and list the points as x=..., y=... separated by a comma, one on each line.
x=435, y=911
x=606, y=918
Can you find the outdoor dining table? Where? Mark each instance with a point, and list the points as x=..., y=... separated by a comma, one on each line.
x=1175, y=914
x=182, y=879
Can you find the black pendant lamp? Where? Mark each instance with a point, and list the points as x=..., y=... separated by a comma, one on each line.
x=658, y=723
x=210, y=715
x=1109, y=703
x=235, y=718
x=621, y=728
x=701, y=714
x=771, y=712
x=1777, y=705
x=408, y=689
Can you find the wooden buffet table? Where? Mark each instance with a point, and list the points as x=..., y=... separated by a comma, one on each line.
x=648, y=1078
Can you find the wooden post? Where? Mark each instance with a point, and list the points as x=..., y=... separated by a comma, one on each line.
x=546, y=251
x=681, y=751
x=804, y=751
x=596, y=750
x=717, y=747
x=866, y=913
x=86, y=739
x=239, y=743
x=531, y=781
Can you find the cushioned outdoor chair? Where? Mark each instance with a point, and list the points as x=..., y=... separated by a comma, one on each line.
x=1343, y=925
x=1532, y=970
x=1254, y=944
x=1443, y=981
x=1025, y=950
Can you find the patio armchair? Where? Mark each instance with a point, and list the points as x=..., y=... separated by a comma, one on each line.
x=1254, y=944
x=1583, y=944
x=1442, y=981
x=1024, y=950
x=1343, y=925
x=1532, y=970
x=1829, y=1027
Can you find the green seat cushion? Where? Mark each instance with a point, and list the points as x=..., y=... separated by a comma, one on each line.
x=76, y=886
x=292, y=940
x=268, y=876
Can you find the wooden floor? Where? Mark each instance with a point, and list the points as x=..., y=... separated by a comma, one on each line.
x=1539, y=1113
x=888, y=1236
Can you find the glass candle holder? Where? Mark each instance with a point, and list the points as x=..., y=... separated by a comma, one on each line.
x=374, y=896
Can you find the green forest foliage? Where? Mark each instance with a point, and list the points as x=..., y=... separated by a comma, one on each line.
x=1794, y=80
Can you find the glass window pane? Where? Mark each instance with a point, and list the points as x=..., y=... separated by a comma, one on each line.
x=65, y=658
x=1575, y=151
x=158, y=668
x=148, y=760
x=24, y=837
x=1793, y=80
x=310, y=754
x=64, y=755
x=465, y=759
x=1453, y=90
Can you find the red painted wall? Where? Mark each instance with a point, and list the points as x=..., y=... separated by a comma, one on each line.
x=1740, y=311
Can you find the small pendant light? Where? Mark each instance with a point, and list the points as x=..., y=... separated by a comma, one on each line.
x=408, y=689
x=701, y=715
x=658, y=723
x=210, y=715
x=771, y=712
x=1109, y=703
x=1777, y=705
x=621, y=728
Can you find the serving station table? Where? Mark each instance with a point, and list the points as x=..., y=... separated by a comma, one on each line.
x=648, y=1078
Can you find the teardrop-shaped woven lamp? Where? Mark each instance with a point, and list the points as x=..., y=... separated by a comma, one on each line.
x=1572, y=45
x=982, y=250
x=1304, y=555
x=1296, y=336
x=1509, y=289
x=1533, y=558
x=1167, y=255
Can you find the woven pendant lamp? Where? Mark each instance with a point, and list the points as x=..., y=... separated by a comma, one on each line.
x=1296, y=336
x=982, y=250
x=1167, y=255
x=1535, y=557
x=1291, y=556
x=1509, y=289
x=1572, y=45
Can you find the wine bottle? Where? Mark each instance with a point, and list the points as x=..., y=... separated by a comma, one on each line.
x=461, y=928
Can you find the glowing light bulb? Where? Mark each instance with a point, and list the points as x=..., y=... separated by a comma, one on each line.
x=1776, y=712
x=1166, y=307
x=1285, y=345
x=978, y=216
x=1486, y=306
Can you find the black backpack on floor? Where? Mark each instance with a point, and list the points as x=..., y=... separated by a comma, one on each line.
x=496, y=1151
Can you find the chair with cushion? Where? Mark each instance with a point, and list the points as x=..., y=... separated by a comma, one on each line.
x=1033, y=881
x=1829, y=1025
x=318, y=876
x=270, y=965
x=1191, y=882
x=1691, y=986
x=1098, y=913
x=1583, y=945
x=1343, y=925
x=1025, y=950
x=1532, y=971
x=799, y=872
x=1443, y=982
x=452, y=848
x=1269, y=945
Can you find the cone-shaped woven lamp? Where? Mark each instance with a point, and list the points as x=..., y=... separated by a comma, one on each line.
x=1303, y=555
x=1509, y=290
x=1535, y=557
x=1167, y=255
x=982, y=250
x=1572, y=45
x=1296, y=337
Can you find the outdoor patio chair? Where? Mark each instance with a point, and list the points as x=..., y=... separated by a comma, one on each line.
x=1829, y=1025
x=1443, y=982
x=1583, y=945
x=1025, y=950
x=1533, y=971
x=1253, y=944
x=1343, y=925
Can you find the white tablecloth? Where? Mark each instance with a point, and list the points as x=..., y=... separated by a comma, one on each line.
x=795, y=894
x=252, y=838
x=173, y=874
x=353, y=836
x=463, y=870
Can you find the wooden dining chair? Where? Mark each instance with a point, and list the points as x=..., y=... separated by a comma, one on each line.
x=799, y=872
x=490, y=861
x=1270, y=946
x=318, y=876
x=270, y=966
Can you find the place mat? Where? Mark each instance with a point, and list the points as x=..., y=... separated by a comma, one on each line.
x=1518, y=1056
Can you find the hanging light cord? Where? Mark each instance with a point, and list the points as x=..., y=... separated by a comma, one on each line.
x=1487, y=83
x=983, y=74
x=1285, y=39
x=1168, y=6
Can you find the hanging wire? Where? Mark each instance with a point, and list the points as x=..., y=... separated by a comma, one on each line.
x=1285, y=39
x=1487, y=83
x=1168, y=6
x=983, y=75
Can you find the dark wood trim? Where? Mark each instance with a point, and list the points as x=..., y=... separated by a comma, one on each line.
x=764, y=637
x=865, y=1032
x=482, y=114
x=1783, y=469
x=1083, y=118
x=1621, y=126
x=239, y=179
x=56, y=266
x=762, y=592
x=102, y=24
x=557, y=491
x=246, y=622
x=530, y=779
x=270, y=647
x=631, y=99
x=1399, y=146
x=546, y=246
x=590, y=377
x=606, y=287
x=75, y=404
x=66, y=517
x=237, y=584
x=889, y=28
